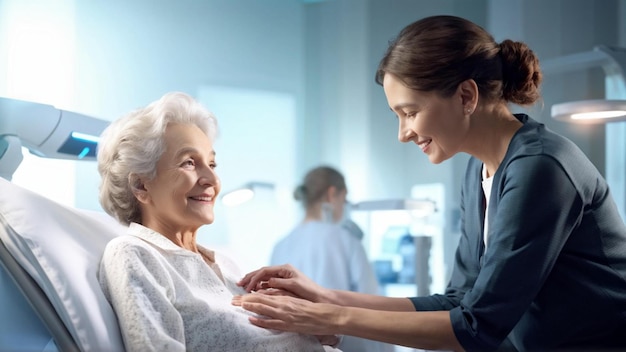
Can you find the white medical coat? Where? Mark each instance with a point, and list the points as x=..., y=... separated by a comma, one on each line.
x=333, y=258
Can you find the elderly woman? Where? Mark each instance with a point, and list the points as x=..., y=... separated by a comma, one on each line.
x=170, y=294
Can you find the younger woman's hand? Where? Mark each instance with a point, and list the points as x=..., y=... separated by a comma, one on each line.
x=282, y=280
x=290, y=314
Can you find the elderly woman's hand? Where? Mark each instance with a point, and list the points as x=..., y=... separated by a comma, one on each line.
x=283, y=280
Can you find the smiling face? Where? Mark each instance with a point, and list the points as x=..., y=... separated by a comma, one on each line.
x=182, y=195
x=436, y=124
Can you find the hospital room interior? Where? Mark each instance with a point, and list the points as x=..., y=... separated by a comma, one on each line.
x=291, y=83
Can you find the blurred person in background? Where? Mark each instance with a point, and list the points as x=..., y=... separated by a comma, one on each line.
x=327, y=247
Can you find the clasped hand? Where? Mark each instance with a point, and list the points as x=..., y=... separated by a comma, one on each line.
x=285, y=299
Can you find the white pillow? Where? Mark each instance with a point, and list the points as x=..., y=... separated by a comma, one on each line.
x=61, y=247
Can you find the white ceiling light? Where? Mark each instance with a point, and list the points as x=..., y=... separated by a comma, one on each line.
x=590, y=111
x=612, y=60
x=245, y=193
x=418, y=207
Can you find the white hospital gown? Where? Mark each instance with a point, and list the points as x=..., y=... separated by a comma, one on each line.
x=168, y=299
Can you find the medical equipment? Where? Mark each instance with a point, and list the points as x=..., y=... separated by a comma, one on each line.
x=49, y=253
x=395, y=242
x=46, y=132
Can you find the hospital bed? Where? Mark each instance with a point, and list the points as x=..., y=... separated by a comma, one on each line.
x=49, y=252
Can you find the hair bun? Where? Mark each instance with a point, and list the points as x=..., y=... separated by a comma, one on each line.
x=299, y=193
x=521, y=74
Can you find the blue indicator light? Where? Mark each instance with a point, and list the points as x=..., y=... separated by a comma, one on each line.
x=84, y=152
x=79, y=145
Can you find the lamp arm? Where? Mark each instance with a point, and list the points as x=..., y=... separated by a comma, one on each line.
x=10, y=155
x=45, y=131
x=617, y=62
x=611, y=59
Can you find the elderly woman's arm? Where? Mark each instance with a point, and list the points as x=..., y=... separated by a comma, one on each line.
x=140, y=298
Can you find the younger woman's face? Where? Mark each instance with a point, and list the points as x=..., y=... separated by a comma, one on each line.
x=437, y=125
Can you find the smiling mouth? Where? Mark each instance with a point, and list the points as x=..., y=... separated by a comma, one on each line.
x=202, y=199
x=424, y=144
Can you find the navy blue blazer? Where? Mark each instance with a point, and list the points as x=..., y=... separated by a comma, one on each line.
x=554, y=273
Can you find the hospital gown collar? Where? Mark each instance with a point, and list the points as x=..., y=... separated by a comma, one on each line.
x=157, y=239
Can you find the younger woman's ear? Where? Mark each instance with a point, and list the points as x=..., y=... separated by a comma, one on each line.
x=468, y=92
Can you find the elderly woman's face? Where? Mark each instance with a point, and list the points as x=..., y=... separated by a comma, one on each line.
x=183, y=193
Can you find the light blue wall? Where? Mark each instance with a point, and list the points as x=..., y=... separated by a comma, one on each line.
x=131, y=52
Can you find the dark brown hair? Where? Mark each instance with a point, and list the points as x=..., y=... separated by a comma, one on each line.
x=316, y=182
x=438, y=53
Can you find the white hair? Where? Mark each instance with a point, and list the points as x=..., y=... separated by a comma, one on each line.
x=131, y=146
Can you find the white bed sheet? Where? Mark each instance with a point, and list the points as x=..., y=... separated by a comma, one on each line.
x=60, y=247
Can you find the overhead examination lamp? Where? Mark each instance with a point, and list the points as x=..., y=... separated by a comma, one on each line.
x=46, y=132
x=417, y=207
x=590, y=111
x=613, y=61
x=245, y=193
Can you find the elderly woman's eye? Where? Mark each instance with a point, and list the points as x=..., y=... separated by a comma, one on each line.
x=188, y=162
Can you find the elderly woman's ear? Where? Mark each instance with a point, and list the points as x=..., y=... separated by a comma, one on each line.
x=138, y=188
